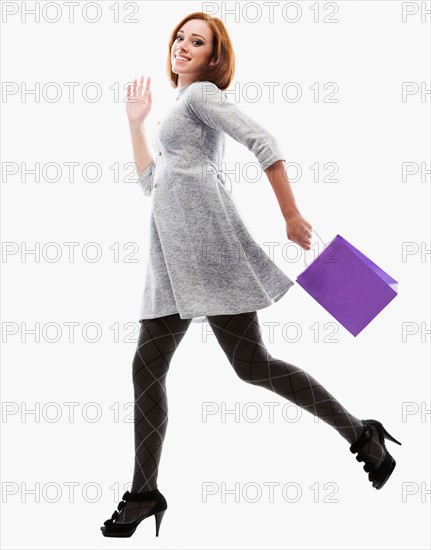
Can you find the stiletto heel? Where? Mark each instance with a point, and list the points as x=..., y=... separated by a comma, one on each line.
x=113, y=528
x=380, y=474
x=159, y=517
x=389, y=436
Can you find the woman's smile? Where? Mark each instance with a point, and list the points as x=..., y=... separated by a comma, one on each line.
x=181, y=59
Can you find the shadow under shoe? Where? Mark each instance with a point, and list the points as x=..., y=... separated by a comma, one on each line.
x=380, y=473
x=114, y=528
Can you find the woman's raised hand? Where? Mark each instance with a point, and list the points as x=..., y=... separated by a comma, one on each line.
x=138, y=101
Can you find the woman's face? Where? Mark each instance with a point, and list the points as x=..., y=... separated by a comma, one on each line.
x=193, y=42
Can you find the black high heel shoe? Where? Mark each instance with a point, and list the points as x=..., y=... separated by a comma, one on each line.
x=380, y=475
x=112, y=528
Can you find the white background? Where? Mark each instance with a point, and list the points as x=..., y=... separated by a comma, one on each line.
x=364, y=52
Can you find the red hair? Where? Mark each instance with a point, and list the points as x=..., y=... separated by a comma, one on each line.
x=221, y=73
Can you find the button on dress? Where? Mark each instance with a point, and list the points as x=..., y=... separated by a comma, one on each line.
x=202, y=259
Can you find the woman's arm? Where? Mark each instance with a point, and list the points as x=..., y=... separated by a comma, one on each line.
x=141, y=151
x=297, y=229
x=210, y=105
x=138, y=106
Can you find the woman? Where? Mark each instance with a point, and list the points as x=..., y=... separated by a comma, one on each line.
x=200, y=265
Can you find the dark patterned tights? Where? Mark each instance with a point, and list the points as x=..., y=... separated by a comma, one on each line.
x=241, y=340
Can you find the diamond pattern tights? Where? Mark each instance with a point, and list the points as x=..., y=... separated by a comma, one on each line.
x=240, y=338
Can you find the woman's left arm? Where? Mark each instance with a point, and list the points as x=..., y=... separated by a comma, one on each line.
x=297, y=228
x=205, y=101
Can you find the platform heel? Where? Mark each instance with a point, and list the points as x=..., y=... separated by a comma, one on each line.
x=380, y=475
x=114, y=528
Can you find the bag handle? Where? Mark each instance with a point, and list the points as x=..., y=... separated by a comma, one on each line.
x=306, y=265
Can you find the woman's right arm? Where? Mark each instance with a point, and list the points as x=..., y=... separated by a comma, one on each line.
x=138, y=106
x=141, y=152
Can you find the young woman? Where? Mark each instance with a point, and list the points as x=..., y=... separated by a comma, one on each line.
x=203, y=263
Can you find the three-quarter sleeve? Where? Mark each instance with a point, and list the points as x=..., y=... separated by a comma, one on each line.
x=210, y=105
x=146, y=179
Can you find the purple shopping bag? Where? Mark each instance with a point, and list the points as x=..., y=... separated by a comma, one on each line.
x=351, y=287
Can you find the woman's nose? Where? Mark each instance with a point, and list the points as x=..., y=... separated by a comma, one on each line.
x=183, y=46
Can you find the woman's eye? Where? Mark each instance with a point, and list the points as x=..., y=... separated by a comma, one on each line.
x=198, y=42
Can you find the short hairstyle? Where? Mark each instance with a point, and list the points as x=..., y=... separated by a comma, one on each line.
x=222, y=72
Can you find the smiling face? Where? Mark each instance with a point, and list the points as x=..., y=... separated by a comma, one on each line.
x=191, y=51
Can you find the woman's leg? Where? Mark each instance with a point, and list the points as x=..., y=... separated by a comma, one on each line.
x=158, y=339
x=240, y=338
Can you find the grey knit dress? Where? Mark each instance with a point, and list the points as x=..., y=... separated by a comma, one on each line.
x=202, y=259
